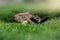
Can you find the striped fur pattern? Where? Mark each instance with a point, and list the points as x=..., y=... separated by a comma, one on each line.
x=26, y=17
x=36, y=19
x=23, y=18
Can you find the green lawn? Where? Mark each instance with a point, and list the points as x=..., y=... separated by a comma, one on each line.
x=49, y=30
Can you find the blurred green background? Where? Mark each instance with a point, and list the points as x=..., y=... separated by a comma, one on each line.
x=49, y=30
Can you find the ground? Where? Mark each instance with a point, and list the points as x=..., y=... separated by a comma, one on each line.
x=49, y=30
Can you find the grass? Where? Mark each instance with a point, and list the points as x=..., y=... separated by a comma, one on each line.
x=49, y=30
